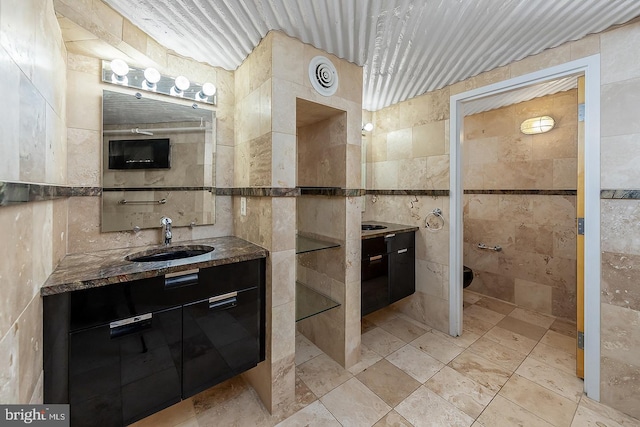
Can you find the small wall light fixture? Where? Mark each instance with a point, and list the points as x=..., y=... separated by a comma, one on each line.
x=367, y=127
x=151, y=79
x=120, y=70
x=536, y=125
x=208, y=89
x=180, y=85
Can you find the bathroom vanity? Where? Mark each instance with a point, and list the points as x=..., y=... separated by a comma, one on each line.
x=125, y=339
x=388, y=264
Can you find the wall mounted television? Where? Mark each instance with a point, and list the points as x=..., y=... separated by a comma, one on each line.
x=140, y=153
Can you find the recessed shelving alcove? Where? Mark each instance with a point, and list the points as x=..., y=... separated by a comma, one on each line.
x=309, y=301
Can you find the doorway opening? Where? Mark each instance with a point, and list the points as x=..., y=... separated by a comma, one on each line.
x=589, y=68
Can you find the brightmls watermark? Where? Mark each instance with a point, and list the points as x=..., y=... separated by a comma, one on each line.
x=34, y=415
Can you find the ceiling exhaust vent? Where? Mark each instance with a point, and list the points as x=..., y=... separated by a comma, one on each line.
x=323, y=75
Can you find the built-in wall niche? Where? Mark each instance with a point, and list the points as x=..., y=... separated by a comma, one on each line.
x=322, y=145
x=158, y=160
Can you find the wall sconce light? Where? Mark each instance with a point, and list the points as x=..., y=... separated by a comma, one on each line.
x=180, y=85
x=150, y=79
x=367, y=127
x=537, y=125
x=120, y=70
x=208, y=89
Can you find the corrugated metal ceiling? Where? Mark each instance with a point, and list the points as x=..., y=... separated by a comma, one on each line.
x=407, y=47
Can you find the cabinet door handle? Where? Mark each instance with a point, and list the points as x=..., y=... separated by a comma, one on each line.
x=130, y=326
x=171, y=282
x=389, y=236
x=401, y=251
x=375, y=258
x=224, y=301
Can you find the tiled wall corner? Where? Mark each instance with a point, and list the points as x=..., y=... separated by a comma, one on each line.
x=33, y=59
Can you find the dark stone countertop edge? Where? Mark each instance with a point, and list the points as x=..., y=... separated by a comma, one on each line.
x=391, y=229
x=109, y=266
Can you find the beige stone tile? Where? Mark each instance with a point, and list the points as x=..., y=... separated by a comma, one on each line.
x=403, y=329
x=564, y=327
x=322, y=374
x=429, y=139
x=617, y=47
x=533, y=317
x=230, y=403
x=483, y=314
x=465, y=340
x=437, y=347
x=315, y=414
x=621, y=280
x=549, y=406
x=521, y=327
x=474, y=325
x=499, y=354
x=555, y=357
x=305, y=349
x=169, y=417
x=619, y=387
x=393, y=419
x=590, y=412
x=560, y=341
x=587, y=46
x=618, y=101
x=303, y=394
x=416, y=363
x=618, y=342
x=381, y=341
x=30, y=346
x=496, y=305
x=471, y=297
x=481, y=370
x=567, y=385
x=565, y=172
x=425, y=408
x=9, y=375
x=367, y=358
x=534, y=296
x=503, y=412
x=354, y=404
x=388, y=382
x=510, y=339
x=464, y=393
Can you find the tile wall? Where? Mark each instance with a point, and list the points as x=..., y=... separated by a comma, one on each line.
x=620, y=219
x=33, y=150
x=536, y=268
x=92, y=32
x=620, y=82
x=267, y=85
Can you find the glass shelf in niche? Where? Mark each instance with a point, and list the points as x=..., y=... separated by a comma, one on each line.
x=306, y=244
x=310, y=302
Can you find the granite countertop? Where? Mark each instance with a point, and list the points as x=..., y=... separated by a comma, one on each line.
x=101, y=268
x=391, y=229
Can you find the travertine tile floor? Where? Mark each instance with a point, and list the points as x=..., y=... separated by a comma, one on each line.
x=511, y=367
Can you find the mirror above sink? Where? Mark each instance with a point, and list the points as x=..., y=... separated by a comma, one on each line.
x=158, y=160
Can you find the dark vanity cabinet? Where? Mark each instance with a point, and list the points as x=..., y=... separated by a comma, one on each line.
x=387, y=270
x=121, y=352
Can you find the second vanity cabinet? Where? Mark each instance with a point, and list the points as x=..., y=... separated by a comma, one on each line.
x=387, y=270
x=133, y=348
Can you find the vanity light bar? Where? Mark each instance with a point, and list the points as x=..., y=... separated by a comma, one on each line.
x=117, y=72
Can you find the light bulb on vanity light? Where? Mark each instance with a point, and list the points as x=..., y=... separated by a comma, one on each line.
x=367, y=127
x=120, y=70
x=208, y=89
x=180, y=84
x=151, y=78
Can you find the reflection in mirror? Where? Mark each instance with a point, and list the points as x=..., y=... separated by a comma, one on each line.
x=158, y=160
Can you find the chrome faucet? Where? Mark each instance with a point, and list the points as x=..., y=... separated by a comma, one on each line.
x=166, y=229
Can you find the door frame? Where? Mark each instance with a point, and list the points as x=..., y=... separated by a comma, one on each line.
x=590, y=68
